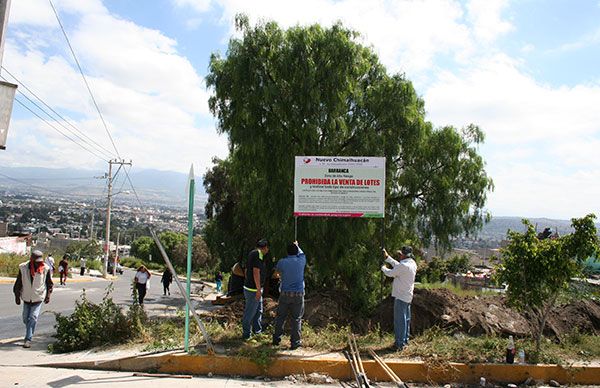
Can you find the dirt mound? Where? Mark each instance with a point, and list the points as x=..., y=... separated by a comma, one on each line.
x=487, y=315
x=438, y=307
x=320, y=309
x=470, y=315
x=583, y=315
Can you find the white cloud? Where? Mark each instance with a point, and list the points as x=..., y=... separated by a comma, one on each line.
x=527, y=48
x=510, y=105
x=533, y=191
x=587, y=40
x=541, y=141
x=150, y=95
x=39, y=13
x=196, y=5
x=406, y=34
x=486, y=18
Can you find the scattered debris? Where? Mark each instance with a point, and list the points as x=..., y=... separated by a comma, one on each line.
x=393, y=376
x=313, y=378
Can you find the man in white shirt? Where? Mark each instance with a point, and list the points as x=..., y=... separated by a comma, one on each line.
x=403, y=272
x=50, y=264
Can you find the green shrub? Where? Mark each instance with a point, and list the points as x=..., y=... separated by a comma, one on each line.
x=459, y=264
x=131, y=262
x=92, y=325
x=432, y=272
x=9, y=264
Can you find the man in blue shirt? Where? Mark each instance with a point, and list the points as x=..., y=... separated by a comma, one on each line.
x=291, y=298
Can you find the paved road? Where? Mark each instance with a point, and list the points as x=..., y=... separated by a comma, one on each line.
x=64, y=297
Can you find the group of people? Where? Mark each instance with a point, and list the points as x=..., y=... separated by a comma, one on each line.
x=402, y=269
x=291, y=293
x=34, y=285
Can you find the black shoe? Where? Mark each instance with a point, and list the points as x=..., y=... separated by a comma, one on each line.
x=275, y=343
x=295, y=346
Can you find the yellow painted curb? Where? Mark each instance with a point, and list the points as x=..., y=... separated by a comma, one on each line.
x=338, y=368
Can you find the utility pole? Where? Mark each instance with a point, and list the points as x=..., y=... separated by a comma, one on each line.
x=7, y=90
x=4, y=10
x=92, y=225
x=116, y=254
x=120, y=163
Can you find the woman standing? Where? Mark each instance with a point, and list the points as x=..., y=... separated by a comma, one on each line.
x=142, y=276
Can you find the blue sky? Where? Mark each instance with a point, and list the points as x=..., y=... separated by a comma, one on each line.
x=525, y=71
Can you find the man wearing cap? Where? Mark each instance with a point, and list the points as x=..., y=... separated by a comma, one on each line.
x=291, y=298
x=33, y=285
x=403, y=272
x=253, y=282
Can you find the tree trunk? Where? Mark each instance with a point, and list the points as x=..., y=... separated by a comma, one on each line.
x=541, y=319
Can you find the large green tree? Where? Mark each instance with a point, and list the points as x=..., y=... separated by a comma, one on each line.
x=318, y=91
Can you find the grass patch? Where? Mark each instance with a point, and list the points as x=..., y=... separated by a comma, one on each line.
x=437, y=344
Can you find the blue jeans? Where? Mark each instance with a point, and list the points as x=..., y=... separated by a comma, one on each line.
x=31, y=312
x=252, y=314
x=292, y=303
x=219, y=284
x=401, y=322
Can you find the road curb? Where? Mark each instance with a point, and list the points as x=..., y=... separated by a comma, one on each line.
x=338, y=368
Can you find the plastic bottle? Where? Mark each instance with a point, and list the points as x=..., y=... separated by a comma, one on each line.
x=510, y=350
x=521, y=356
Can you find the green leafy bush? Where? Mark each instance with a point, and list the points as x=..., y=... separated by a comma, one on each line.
x=458, y=264
x=92, y=325
x=9, y=264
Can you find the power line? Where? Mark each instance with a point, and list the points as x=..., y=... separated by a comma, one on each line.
x=84, y=79
x=45, y=188
x=99, y=146
x=58, y=130
x=95, y=151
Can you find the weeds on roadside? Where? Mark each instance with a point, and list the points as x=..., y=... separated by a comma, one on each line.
x=9, y=264
x=92, y=325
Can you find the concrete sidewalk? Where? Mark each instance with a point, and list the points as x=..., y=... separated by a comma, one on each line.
x=12, y=352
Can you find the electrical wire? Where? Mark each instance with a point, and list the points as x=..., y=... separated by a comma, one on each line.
x=45, y=188
x=97, y=145
x=95, y=151
x=84, y=79
x=59, y=131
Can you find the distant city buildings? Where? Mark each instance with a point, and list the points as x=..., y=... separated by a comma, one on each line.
x=52, y=224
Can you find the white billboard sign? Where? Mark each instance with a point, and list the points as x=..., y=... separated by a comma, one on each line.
x=339, y=186
x=7, y=96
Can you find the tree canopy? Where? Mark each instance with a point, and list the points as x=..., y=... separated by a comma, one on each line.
x=318, y=91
